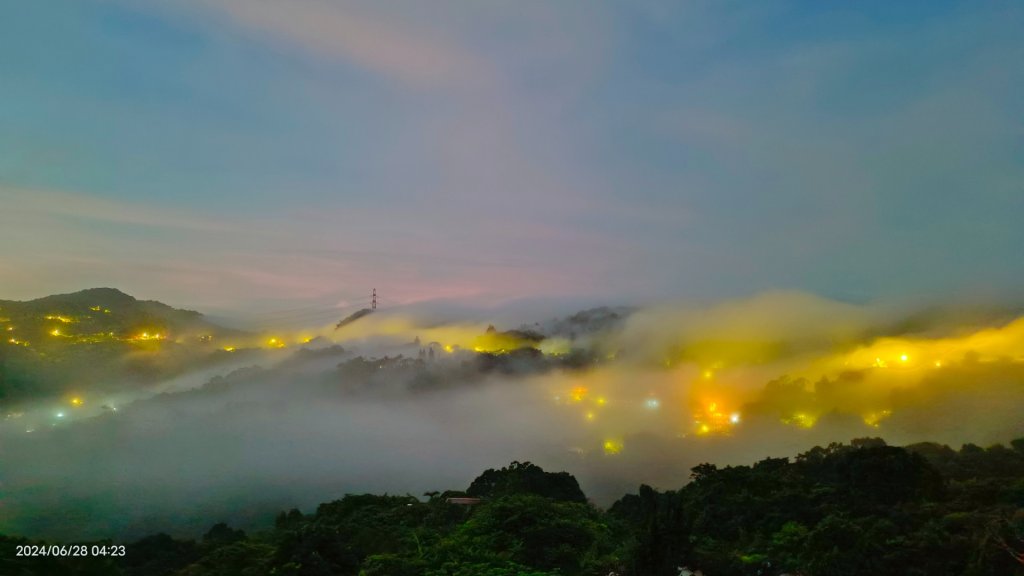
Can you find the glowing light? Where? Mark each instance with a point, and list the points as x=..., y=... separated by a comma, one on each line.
x=448, y=348
x=713, y=418
x=55, y=332
x=904, y=358
x=875, y=418
x=601, y=401
x=938, y=363
x=555, y=346
x=229, y=348
x=612, y=447
x=801, y=419
x=590, y=416
x=708, y=374
x=76, y=401
x=879, y=363
x=578, y=393
x=60, y=414
x=63, y=319
x=652, y=404
x=275, y=343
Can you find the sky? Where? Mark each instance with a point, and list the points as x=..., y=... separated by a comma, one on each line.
x=218, y=154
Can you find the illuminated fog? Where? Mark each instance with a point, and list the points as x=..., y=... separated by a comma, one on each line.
x=638, y=396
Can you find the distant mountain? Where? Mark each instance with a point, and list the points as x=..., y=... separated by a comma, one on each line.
x=100, y=337
x=584, y=323
x=353, y=317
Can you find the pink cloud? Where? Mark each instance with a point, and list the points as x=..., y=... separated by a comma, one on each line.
x=413, y=55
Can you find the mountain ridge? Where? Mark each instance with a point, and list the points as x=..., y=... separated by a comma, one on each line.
x=98, y=337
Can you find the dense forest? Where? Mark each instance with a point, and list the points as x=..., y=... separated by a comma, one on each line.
x=861, y=508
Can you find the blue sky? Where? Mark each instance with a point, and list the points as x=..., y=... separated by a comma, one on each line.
x=214, y=153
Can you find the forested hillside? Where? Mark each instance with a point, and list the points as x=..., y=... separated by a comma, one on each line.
x=863, y=508
x=99, y=339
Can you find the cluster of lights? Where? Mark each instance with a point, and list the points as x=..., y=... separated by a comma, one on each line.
x=801, y=420
x=874, y=419
x=59, y=318
x=903, y=360
x=879, y=363
x=714, y=419
x=578, y=394
x=61, y=414
x=581, y=395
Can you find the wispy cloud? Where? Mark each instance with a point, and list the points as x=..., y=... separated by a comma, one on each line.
x=20, y=204
x=400, y=50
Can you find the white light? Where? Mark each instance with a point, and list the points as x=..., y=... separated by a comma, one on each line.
x=60, y=414
x=652, y=404
x=735, y=418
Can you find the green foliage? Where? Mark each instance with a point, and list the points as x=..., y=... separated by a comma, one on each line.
x=159, y=555
x=525, y=529
x=865, y=508
x=526, y=478
x=95, y=347
x=840, y=510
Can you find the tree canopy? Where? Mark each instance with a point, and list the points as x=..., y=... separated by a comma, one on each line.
x=838, y=510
